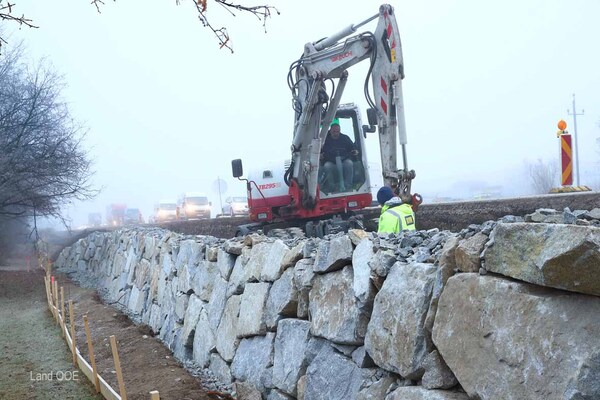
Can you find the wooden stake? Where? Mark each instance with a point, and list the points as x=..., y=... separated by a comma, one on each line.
x=47, y=291
x=56, y=301
x=72, y=321
x=91, y=351
x=154, y=395
x=62, y=310
x=113, y=344
x=51, y=284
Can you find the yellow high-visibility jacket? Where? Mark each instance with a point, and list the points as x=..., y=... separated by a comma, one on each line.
x=395, y=218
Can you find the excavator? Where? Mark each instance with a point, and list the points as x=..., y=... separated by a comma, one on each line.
x=301, y=192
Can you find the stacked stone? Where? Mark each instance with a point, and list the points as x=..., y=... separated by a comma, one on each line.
x=505, y=309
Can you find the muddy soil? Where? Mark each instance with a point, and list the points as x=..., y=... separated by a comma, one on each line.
x=30, y=342
x=146, y=363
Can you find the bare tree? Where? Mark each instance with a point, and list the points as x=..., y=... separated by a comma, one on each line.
x=261, y=12
x=43, y=165
x=543, y=175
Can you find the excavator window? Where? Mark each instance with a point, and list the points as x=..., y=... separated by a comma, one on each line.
x=348, y=173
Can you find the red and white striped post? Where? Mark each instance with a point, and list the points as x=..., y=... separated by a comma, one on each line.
x=566, y=154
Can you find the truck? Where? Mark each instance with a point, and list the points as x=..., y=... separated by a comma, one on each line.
x=291, y=193
x=115, y=213
x=132, y=216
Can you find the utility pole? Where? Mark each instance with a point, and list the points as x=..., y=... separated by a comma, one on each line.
x=575, y=136
x=220, y=201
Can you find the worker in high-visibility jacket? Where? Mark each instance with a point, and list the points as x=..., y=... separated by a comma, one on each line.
x=396, y=212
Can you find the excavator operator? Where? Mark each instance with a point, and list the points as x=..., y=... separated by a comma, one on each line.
x=337, y=154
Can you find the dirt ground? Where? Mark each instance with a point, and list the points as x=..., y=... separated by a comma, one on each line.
x=31, y=343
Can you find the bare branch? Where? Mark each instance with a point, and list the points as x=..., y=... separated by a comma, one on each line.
x=6, y=14
x=261, y=12
x=97, y=3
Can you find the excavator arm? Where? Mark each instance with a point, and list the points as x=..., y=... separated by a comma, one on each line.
x=387, y=74
x=327, y=61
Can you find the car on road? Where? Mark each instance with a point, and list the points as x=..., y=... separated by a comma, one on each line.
x=235, y=206
x=165, y=210
x=193, y=205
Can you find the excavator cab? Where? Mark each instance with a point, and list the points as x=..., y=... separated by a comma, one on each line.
x=343, y=171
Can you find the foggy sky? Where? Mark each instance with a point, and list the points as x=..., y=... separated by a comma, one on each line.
x=167, y=110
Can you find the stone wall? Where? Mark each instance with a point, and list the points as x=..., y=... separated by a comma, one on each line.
x=508, y=309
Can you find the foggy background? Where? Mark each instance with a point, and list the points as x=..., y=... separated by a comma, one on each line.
x=167, y=110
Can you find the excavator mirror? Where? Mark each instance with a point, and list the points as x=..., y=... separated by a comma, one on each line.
x=369, y=129
x=236, y=168
x=372, y=116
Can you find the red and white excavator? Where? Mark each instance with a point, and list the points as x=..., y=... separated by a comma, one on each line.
x=298, y=192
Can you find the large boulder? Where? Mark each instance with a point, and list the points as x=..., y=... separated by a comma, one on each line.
x=290, y=362
x=216, y=304
x=303, y=281
x=190, y=253
x=265, y=260
x=396, y=336
x=469, y=251
x=333, y=255
x=332, y=376
x=227, y=340
x=283, y=299
x=203, y=279
x=336, y=313
x=242, y=272
x=554, y=255
x=225, y=263
x=192, y=313
x=204, y=341
x=363, y=288
x=252, y=310
x=252, y=360
x=220, y=368
x=510, y=340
